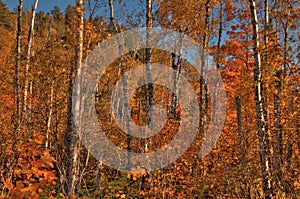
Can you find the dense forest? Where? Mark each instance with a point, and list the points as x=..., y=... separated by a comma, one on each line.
x=256, y=49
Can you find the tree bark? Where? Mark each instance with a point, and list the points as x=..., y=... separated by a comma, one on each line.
x=49, y=120
x=17, y=68
x=278, y=145
x=203, y=86
x=176, y=65
x=265, y=61
x=215, y=93
x=98, y=176
x=28, y=56
x=277, y=156
x=220, y=33
x=17, y=123
x=261, y=120
x=124, y=81
x=71, y=137
x=150, y=89
x=243, y=145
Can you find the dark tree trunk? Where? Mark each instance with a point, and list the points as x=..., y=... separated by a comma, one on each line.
x=150, y=89
x=203, y=85
x=243, y=145
x=17, y=68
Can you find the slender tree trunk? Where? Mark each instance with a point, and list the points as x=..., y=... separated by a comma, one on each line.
x=176, y=65
x=148, y=49
x=278, y=145
x=291, y=149
x=240, y=128
x=261, y=120
x=28, y=56
x=17, y=123
x=277, y=157
x=17, y=68
x=91, y=9
x=71, y=136
x=49, y=120
x=150, y=89
x=215, y=92
x=265, y=59
x=98, y=175
x=220, y=33
x=243, y=145
x=124, y=81
x=266, y=31
x=81, y=177
x=203, y=85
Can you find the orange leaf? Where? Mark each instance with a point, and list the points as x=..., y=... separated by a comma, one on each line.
x=7, y=183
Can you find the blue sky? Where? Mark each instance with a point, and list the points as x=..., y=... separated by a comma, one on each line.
x=45, y=5
x=125, y=10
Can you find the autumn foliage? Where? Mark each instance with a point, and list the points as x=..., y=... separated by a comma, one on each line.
x=32, y=151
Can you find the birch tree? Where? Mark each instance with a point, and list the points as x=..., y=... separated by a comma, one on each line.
x=71, y=139
x=261, y=120
x=124, y=81
x=28, y=56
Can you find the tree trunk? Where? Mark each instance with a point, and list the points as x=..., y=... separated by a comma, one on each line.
x=124, y=81
x=98, y=176
x=243, y=145
x=277, y=157
x=28, y=55
x=215, y=92
x=17, y=68
x=49, y=120
x=71, y=137
x=278, y=145
x=220, y=33
x=176, y=65
x=261, y=121
x=265, y=61
x=150, y=91
x=203, y=86
x=17, y=123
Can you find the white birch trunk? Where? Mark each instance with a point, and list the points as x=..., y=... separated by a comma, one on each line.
x=49, y=121
x=28, y=55
x=261, y=120
x=72, y=137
